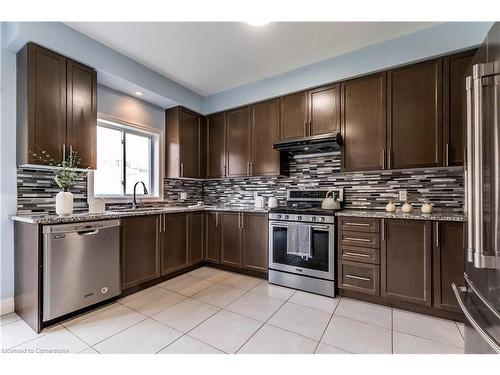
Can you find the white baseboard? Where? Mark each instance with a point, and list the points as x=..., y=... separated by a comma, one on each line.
x=6, y=305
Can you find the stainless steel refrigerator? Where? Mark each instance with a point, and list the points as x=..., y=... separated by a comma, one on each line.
x=479, y=298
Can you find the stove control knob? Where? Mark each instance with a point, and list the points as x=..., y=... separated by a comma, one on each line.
x=322, y=219
x=314, y=218
x=299, y=217
x=278, y=217
x=286, y=217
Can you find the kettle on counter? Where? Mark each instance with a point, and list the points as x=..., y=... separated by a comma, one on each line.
x=330, y=202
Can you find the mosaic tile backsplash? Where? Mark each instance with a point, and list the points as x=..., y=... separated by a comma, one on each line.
x=444, y=187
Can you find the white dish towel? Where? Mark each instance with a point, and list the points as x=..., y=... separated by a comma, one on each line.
x=298, y=238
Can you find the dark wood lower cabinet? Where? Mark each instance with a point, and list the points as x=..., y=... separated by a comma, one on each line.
x=140, y=250
x=255, y=242
x=406, y=253
x=448, y=263
x=195, y=237
x=212, y=237
x=174, y=252
x=231, y=235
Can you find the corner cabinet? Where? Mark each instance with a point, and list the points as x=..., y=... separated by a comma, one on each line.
x=184, y=143
x=56, y=107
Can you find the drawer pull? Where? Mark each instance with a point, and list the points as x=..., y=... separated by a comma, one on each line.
x=357, y=239
x=357, y=254
x=358, y=277
x=358, y=224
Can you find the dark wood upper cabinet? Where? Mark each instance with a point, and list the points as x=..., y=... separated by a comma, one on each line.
x=140, y=250
x=364, y=123
x=294, y=115
x=216, y=145
x=255, y=242
x=230, y=250
x=195, y=237
x=448, y=263
x=56, y=107
x=41, y=104
x=212, y=237
x=405, y=263
x=455, y=68
x=265, y=131
x=82, y=112
x=238, y=142
x=184, y=143
x=174, y=252
x=324, y=113
x=415, y=115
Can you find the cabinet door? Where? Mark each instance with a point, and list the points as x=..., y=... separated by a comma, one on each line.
x=415, y=115
x=265, y=132
x=238, y=142
x=455, y=69
x=195, y=237
x=174, y=249
x=230, y=251
x=364, y=123
x=140, y=250
x=82, y=113
x=189, y=137
x=324, y=104
x=216, y=145
x=212, y=237
x=293, y=119
x=448, y=263
x=46, y=102
x=406, y=261
x=255, y=242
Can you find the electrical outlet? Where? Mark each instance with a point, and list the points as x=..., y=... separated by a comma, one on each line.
x=184, y=196
x=403, y=195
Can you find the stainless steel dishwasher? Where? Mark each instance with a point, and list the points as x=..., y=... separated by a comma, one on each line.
x=81, y=265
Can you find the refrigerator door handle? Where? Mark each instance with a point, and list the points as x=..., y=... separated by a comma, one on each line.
x=485, y=335
x=469, y=171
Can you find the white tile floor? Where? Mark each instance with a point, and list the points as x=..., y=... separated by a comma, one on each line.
x=210, y=311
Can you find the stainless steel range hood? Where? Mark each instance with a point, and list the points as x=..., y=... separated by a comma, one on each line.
x=311, y=145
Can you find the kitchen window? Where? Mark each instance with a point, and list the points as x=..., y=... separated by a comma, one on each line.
x=126, y=154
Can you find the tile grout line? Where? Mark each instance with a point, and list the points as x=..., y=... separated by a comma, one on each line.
x=327, y=324
x=264, y=323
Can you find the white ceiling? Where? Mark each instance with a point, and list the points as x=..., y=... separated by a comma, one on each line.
x=210, y=57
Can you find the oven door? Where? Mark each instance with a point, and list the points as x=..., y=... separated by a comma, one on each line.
x=320, y=265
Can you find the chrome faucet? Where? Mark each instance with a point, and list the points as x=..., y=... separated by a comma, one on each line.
x=134, y=202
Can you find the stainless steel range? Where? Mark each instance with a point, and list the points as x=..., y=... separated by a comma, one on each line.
x=302, y=242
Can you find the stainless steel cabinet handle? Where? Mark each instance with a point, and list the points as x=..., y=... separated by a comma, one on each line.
x=216, y=219
x=382, y=230
x=358, y=224
x=357, y=254
x=71, y=150
x=383, y=158
x=389, y=157
x=64, y=152
x=485, y=335
x=164, y=223
x=358, y=277
x=182, y=169
x=357, y=239
x=161, y=228
x=437, y=233
x=447, y=154
x=305, y=129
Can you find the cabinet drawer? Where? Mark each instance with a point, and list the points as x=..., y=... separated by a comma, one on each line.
x=360, y=254
x=359, y=224
x=360, y=277
x=360, y=239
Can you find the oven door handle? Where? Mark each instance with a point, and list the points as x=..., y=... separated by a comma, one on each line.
x=320, y=227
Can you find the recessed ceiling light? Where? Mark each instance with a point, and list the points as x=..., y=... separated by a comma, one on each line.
x=257, y=23
x=138, y=93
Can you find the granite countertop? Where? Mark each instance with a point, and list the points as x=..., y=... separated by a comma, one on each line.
x=117, y=214
x=415, y=215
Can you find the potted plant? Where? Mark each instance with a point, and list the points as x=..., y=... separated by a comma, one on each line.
x=65, y=175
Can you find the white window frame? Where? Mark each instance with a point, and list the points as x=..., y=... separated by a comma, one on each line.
x=156, y=193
